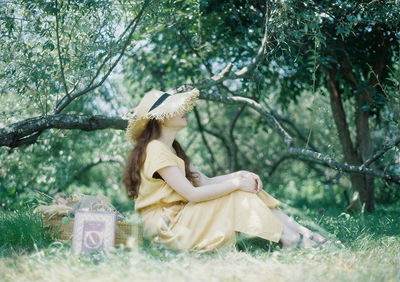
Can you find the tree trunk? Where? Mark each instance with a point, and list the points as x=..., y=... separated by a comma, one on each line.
x=364, y=145
x=358, y=181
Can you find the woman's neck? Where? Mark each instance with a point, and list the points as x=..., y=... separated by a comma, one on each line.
x=167, y=137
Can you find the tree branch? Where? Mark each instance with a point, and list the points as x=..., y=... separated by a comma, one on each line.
x=231, y=128
x=294, y=126
x=66, y=100
x=261, y=51
x=220, y=137
x=226, y=73
x=254, y=105
x=10, y=135
x=97, y=161
x=205, y=63
x=289, y=140
x=343, y=167
x=59, y=52
x=212, y=161
x=380, y=153
x=308, y=161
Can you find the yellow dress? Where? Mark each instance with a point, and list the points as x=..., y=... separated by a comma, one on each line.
x=173, y=221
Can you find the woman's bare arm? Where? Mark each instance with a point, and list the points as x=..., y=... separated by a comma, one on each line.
x=205, y=180
x=175, y=178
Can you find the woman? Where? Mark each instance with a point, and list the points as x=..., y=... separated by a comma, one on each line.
x=184, y=209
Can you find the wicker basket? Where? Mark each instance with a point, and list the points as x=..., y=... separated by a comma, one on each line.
x=127, y=233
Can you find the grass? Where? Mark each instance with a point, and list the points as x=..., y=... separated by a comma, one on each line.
x=21, y=232
x=371, y=253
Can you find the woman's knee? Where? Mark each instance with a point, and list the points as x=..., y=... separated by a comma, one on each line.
x=243, y=194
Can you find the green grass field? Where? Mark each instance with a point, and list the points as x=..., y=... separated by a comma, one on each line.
x=370, y=253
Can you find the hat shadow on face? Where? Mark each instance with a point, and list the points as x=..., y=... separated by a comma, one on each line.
x=175, y=121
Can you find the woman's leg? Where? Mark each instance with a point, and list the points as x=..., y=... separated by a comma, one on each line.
x=291, y=223
x=291, y=237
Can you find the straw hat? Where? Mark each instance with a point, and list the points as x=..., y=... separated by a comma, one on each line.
x=159, y=105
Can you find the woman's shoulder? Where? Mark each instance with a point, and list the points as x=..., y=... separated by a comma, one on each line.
x=158, y=146
x=155, y=143
x=158, y=154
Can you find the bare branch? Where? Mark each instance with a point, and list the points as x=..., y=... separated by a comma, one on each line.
x=380, y=153
x=294, y=126
x=9, y=135
x=344, y=167
x=252, y=104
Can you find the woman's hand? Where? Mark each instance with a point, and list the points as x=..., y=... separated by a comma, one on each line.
x=249, y=174
x=248, y=184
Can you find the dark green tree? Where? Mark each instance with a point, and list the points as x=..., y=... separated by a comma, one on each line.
x=348, y=50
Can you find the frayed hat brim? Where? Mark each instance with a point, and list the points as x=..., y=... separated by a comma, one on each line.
x=179, y=103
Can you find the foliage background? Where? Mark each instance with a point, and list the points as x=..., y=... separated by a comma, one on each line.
x=158, y=56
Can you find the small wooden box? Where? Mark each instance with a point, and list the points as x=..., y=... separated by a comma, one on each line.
x=127, y=233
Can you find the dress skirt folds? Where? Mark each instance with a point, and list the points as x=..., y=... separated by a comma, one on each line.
x=171, y=220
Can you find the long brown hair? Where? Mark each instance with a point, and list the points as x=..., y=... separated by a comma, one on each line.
x=131, y=176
